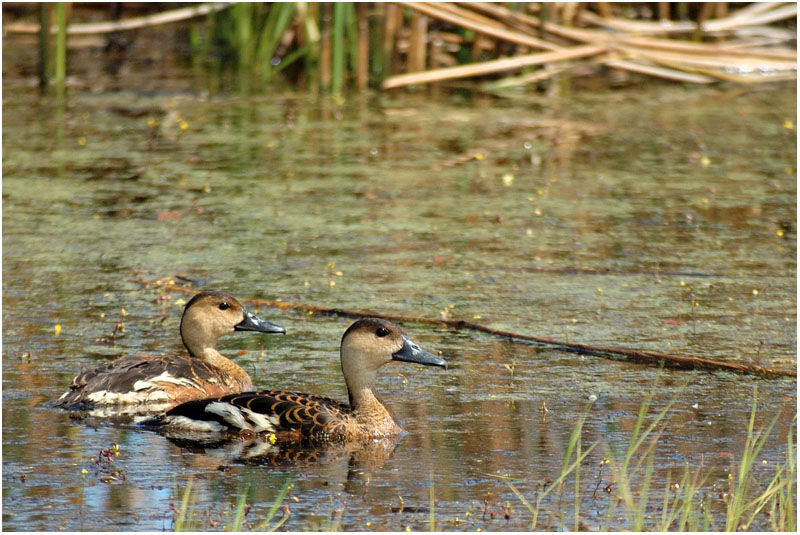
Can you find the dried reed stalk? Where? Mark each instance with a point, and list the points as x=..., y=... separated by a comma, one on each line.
x=491, y=67
x=362, y=73
x=165, y=17
x=466, y=22
x=661, y=72
x=666, y=58
x=417, y=44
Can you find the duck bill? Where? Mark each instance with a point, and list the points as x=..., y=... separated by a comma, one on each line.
x=251, y=322
x=411, y=352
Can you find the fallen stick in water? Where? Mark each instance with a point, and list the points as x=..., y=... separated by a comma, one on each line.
x=655, y=358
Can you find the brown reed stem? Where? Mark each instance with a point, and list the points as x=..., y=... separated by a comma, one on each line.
x=362, y=73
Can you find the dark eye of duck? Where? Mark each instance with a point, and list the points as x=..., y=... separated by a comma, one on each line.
x=224, y=306
x=382, y=331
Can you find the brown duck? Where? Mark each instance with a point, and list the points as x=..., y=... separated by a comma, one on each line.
x=367, y=345
x=165, y=381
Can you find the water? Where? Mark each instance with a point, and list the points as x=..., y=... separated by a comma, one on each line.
x=598, y=218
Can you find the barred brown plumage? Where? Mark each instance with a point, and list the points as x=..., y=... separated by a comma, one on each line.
x=164, y=381
x=367, y=345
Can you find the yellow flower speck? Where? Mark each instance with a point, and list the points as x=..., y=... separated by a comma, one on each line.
x=58, y=329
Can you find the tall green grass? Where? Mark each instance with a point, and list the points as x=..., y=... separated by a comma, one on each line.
x=684, y=506
x=267, y=38
x=743, y=503
x=568, y=466
x=187, y=518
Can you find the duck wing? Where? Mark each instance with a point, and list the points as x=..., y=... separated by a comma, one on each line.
x=288, y=415
x=146, y=379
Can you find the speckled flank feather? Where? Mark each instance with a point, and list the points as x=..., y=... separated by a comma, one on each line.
x=146, y=379
x=291, y=416
x=149, y=379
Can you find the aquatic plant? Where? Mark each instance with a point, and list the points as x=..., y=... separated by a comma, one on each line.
x=349, y=44
x=567, y=468
x=740, y=511
x=683, y=506
x=233, y=518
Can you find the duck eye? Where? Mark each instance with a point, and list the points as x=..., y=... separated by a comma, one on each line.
x=224, y=306
x=382, y=331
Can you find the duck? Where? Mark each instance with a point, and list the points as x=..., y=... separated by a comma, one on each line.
x=293, y=417
x=163, y=381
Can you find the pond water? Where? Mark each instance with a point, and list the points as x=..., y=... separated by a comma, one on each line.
x=660, y=219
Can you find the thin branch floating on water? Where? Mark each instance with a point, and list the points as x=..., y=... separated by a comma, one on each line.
x=684, y=362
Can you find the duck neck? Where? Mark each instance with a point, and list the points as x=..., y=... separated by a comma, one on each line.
x=230, y=371
x=369, y=411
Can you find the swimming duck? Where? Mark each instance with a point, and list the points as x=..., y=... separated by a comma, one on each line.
x=367, y=345
x=168, y=380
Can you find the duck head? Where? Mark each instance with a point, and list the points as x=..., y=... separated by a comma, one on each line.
x=369, y=343
x=210, y=315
